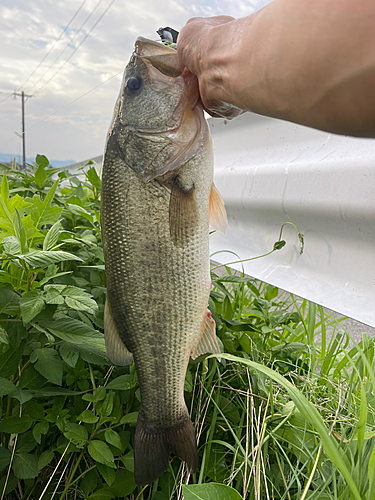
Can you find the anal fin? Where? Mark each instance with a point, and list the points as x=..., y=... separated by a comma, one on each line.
x=183, y=214
x=116, y=349
x=208, y=341
x=216, y=211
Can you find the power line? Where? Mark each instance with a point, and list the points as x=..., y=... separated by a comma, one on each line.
x=75, y=50
x=61, y=34
x=7, y=97
x=66, y=46
x=66, y=105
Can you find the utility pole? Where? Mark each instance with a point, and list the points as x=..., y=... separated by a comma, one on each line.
x=23, y=95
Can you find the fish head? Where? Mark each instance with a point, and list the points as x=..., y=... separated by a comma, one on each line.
x=158, y=120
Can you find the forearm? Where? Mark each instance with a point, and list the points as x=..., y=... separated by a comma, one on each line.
x=307, y=61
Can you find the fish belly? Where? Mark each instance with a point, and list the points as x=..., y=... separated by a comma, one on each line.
x=157, y=291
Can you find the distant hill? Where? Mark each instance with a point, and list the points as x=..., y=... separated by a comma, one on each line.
x=7, y=158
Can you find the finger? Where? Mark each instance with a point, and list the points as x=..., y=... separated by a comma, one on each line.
x=222, y=110
x=191, y=40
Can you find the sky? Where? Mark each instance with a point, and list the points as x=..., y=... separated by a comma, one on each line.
x=59, y=50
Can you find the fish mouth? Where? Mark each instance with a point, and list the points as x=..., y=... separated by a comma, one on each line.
x=152, y=133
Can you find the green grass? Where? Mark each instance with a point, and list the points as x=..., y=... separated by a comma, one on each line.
x=280, y=416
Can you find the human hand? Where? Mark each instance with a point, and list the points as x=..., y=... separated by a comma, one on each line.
x=204, y=47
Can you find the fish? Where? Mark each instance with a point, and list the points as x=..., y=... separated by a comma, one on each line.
x=158, y=199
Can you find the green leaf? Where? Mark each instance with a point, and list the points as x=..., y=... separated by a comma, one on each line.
x=9, y=302
x=89, y=482
x=45, y=458
x=41, y=212
x=88, y=417
x=31, y=379
x=4, y=189
x=41, y=161
x=102, y=494
x=76, y=433
x=227, y=311
x=20, y=231
x=39, y=429
x=124, y=483
x=25, y=466
x=40, y=176
x=53, y=296
x=76, y=332
x=128, y=461
x=22, y=396
x=122, y=383
x=40, y=258
x=6, y=217
x=371, y=473
x=69, y=354
x=113, y=438
x=98, y=395
x=52, y=236
x=209, y=491
x=26, y=443
x=93, y=177
x=31, y=303
x=105, y=408
x=11, y=245
x=81, y=302
x=101, y=453
x=48, y=363
x=9, y=361
x=130, y=418
x=16, y=425
x=278, y=245
x=35, y=410
x=6, y=387
x=92, y=355
x=3, y=336
x=4, y=458
x=108, y=473
x=362, y=420
x=10, y=230
x=77, y=210
x=52, y=271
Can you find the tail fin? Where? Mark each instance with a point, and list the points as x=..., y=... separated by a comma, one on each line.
x=153, y=446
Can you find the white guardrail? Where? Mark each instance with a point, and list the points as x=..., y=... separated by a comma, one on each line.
x=269, y=172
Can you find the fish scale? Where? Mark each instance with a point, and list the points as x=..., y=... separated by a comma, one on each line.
x=168, y=301
x=155, y=226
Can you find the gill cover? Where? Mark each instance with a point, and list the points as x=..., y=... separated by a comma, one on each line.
x=157, y=123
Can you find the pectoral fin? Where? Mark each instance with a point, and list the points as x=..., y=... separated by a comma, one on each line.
x=183, y=213
x=216, y=211
x=116, y=350
x=208, y=341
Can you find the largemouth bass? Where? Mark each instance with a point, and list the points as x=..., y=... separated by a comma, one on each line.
x=157, y=193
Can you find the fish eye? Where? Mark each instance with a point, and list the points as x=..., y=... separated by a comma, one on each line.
x=133, y=84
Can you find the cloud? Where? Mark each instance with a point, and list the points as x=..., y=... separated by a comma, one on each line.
x=30, y=29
